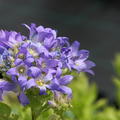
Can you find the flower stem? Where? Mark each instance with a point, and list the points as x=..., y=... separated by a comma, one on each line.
x=33, y=115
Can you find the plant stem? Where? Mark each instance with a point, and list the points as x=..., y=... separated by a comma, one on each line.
x=33, y=115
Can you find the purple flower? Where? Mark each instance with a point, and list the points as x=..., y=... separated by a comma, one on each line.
x=6, y=86
x=73, y=58
x=42, y=82
x=10, y=39
x=41, y=34
x=39, y=61
x=17, y=86
x=59, y=84
x=46, y=63
x=23, y=99
x=18, y=70
x=33, y=72
x=1, y=93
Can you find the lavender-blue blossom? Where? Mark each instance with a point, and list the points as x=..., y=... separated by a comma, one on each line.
x=38, y=61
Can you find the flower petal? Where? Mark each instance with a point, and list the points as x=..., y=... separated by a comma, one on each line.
x=80, y=65
x=54, y=85
x=90, y=71
x=42, y=90
x=23, y=99
x=1, y=92
x=7, y=86
x=83, y=54
x=58, y=72
x=48, y=77
x=65, y=80
x=18, y=61
x=66, y=90
x=30, y=83
x=33, y=72
x=29, y=61
x=22, y=81
x=75, y=47
x=90, y=64
x=12, y=71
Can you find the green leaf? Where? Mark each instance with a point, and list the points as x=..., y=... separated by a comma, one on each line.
x=116, y=64
x=100, y=104
x=116, y=82
x=4, y=111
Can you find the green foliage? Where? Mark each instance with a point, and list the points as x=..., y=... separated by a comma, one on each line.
x=116, y=79
x=4, y=111
x=38, y=103
x=86, y=105
x=116, y=64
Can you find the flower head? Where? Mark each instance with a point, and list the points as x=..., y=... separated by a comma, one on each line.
x=39, y=61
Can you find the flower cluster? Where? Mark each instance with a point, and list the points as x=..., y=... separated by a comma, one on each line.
x=39, y=61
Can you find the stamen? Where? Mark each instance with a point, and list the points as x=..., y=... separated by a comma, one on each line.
x=21, y=69
x=33, y=52
x=21, y=56
x=39, y=82
x=43, y=65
